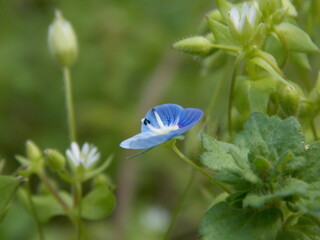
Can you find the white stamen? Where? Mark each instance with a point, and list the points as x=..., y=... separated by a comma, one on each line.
x=160, y=123
x=162, y=128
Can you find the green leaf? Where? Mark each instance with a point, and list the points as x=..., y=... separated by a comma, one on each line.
x=310, y=202
x=220, y=32
x=259, y=94
x=296, y=38
x=46, y=205
x=311, y=168
x=227, y=160
x=98, y=203
x=223, y=222
x=266, y=65
x=8, y=187
x=270, y=137
x=300, y=59
x=290, y=187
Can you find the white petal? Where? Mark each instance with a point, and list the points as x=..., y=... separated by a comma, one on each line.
x=245, y=10
x=92, y=159
x=252, y=15
x=75, y=150
x=235, y=18
x=71, y=158
x=85, y=149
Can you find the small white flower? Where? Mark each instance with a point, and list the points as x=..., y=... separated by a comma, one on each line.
x=246, y=13
x=87, y=156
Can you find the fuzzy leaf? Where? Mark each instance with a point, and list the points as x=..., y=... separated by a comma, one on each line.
x=297, y=39
x=290, y=187
x=270, y=137
x=227, y=160
x=223, y=222
x=98, y=203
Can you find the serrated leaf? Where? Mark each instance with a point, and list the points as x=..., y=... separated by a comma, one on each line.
x=220, y=32
x=310, y=171
x=297, y=39
x=270, y=137
x=290, y=187
x=310, y=202
x=8, y=187
x=223, y=222
x=98, y=203
x=227, y=160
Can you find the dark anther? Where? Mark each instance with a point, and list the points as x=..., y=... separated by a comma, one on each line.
x=146, y=121
x=153, y=110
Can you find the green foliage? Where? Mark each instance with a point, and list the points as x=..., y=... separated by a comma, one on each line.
x=8, y=187
x=98, y=203
x=223, y=222
x=268, y=165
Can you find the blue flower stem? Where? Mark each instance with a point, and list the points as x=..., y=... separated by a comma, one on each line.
x=69, y=103
x=180, y=204
x=199, y=169
x=33, y=211
x=232, y=85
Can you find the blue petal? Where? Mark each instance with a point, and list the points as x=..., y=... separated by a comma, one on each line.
x=145, y=140
x=189, y=116
x=169, y=114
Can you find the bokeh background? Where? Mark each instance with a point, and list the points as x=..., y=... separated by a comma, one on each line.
x=125, y=66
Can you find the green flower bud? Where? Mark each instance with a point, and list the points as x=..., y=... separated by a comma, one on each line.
x=55, y=159
x=101, y=180
x=62, y=41
x=199, y=46
x=290, y=100
x=259, y=35
x=261, y=164
x=34, y=154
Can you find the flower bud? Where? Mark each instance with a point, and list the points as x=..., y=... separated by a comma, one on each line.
x=33, y=152
x=279, y=15
x=62, y=41
x=199, y=46
x=55, y=159
x=290, y=100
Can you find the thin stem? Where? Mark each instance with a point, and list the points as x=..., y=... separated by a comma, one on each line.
x=199, y=169
x=314, y=130
x=181, y=201
x=33, y=211
x=232, y=84
x=77, y=191
x=53, y=191
x=226, y=47
x=69, y=103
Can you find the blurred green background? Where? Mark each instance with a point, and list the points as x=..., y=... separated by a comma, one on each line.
x=125, y=66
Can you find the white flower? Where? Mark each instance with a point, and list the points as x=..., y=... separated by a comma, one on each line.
x=87, y=156
x=246, y=13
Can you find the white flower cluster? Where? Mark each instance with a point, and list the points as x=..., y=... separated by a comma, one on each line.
x=238, y=21
x=86, y=156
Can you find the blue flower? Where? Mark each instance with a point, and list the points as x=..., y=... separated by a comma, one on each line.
x=161, y=124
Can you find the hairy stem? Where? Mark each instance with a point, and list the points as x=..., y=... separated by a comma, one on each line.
x=69, y=104
x=199, y=169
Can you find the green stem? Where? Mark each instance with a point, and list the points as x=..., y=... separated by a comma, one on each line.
x=226, y=47
x=54, y=192
x=199, y=169
x=284, y=45
x=77, y=191
x=181, y=201
x=69, y=103
x=232, y=84
x=33, y=212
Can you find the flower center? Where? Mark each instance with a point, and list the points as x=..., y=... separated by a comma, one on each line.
x=163, y=129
